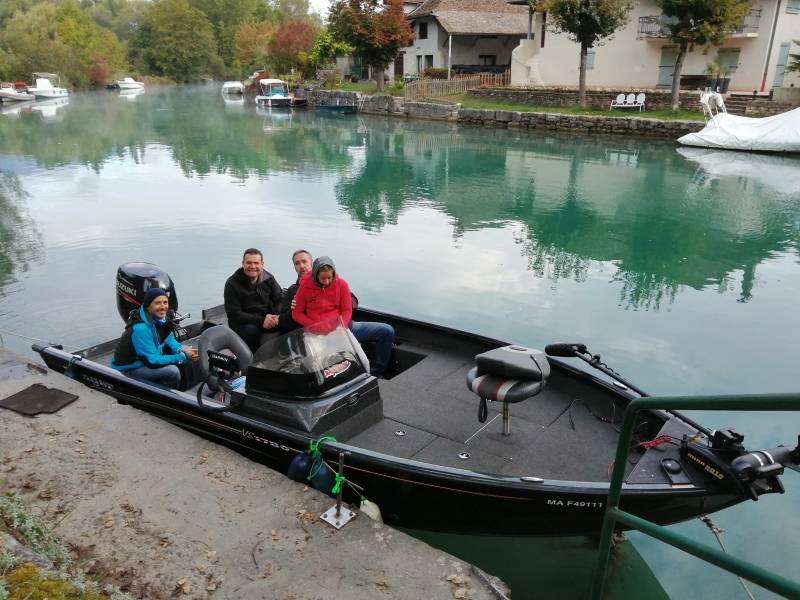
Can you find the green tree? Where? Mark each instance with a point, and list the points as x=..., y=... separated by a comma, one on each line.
x=8, y=8
x=225, y=17
x=326, y=49
x=697, y=23
x=63, y=39
x=178, y=41
x=795, y=64
x=587, y=22
x=376, y=29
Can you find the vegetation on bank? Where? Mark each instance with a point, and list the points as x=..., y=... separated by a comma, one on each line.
x=21, y=579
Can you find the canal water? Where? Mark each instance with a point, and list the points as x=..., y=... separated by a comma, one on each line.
x=679, y=267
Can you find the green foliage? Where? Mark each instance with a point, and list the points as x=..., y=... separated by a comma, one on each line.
x=435, y=73
x=376, y=29
x=178, y=41
x=587, y=22
x=792, y=66
x=326, y=49
x=62, y=39
x=697, y=23
x=31, y=530
x=225, y=17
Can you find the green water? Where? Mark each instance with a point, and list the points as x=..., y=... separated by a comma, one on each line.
x=681, y=268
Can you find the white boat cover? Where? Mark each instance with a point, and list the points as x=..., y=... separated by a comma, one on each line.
x=778, y=173
x=778, y=133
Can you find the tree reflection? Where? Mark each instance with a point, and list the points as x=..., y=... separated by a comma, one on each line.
x=20, y=241
x=581, y=203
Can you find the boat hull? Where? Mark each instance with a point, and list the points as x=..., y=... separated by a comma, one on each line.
x=410, y=493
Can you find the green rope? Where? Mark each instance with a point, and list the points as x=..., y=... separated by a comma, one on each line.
x=313, y=445
x=337, y=487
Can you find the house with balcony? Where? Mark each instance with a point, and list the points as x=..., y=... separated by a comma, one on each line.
x=641, y=55
x=465, y=35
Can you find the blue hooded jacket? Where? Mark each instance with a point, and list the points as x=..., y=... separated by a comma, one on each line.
x=142, y=345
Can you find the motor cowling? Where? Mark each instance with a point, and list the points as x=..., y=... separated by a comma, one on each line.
x=133, y=281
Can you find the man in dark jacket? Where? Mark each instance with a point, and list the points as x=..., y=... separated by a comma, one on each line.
x=301, y=260
x=253, y=300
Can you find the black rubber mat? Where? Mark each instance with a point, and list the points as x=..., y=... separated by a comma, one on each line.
x=36, y=399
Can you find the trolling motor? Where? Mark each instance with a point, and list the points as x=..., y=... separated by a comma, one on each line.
x=750, y=473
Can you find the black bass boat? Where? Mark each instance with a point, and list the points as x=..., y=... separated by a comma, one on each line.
x=528, y=452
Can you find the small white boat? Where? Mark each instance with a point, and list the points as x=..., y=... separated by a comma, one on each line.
x=129, y=83
x=233, y=88
x=778, y=133
x=8, y=93
x=44, y=88
x=274, y=94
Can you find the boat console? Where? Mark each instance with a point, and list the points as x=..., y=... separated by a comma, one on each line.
x=315, y=380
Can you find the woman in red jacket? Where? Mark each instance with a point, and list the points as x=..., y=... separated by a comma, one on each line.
x=323, y=296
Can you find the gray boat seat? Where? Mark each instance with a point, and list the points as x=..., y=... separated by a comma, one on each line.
x=508, y=374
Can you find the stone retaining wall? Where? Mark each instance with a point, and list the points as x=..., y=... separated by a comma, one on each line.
x=656, y=99
x=578, y=123
x=397, y=106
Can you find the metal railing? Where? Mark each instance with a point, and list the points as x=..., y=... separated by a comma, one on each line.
x=766, y=579
x=657, y=26
x=432, y=88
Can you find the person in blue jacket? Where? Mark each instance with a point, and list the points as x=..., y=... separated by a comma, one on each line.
x=148, y=350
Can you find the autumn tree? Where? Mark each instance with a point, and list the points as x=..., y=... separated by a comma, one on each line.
x=376, y=29
x=225, y=17
x=251, y=44
x=587, y=22
x=291, y=45
x=693, y=23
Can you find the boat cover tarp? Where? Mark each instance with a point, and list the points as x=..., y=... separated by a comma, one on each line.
x=778, y=133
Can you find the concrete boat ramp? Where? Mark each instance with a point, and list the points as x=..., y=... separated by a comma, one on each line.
x=163, y=513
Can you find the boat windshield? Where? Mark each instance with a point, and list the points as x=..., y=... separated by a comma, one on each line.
x=276, y=89
x=306, y=362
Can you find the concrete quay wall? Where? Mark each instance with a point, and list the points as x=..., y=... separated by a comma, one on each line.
x=396, y=106
x=164, y=514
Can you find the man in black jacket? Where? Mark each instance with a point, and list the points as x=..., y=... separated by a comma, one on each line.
x=301, y=260
x=252, y=299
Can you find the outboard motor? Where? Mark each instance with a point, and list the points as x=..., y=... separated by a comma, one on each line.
x=133, y=281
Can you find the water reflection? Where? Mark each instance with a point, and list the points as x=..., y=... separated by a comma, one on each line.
x=652, y=220
x=20, y=241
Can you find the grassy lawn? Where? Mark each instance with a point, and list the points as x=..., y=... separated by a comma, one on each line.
x=368, y=87
x=468, y=101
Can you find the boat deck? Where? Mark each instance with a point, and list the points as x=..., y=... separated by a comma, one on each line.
x=432, y=405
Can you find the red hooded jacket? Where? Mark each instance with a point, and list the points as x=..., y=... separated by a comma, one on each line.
x=315, y=303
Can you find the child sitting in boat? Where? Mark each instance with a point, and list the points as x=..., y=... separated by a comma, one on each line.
x=324, y=296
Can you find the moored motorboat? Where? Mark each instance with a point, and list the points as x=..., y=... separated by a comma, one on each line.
x=129, y=83
x=44, y=88
x=10, y=93
x=273, y=93
x=534, y=462
x=232, y=88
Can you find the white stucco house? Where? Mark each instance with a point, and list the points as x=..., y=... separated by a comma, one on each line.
x=640, y=55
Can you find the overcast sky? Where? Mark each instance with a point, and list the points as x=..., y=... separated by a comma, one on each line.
x=320, y=6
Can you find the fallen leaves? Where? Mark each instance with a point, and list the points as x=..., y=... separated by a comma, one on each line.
x=182, y=588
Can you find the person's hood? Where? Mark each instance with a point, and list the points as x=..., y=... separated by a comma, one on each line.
x=319, y=263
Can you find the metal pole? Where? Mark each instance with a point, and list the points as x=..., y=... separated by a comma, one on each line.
x=339, y=493
x=530, y=22
x=449, y=54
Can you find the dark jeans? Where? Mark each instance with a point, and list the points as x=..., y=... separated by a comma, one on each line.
x=167, y=376
x=379, y=334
